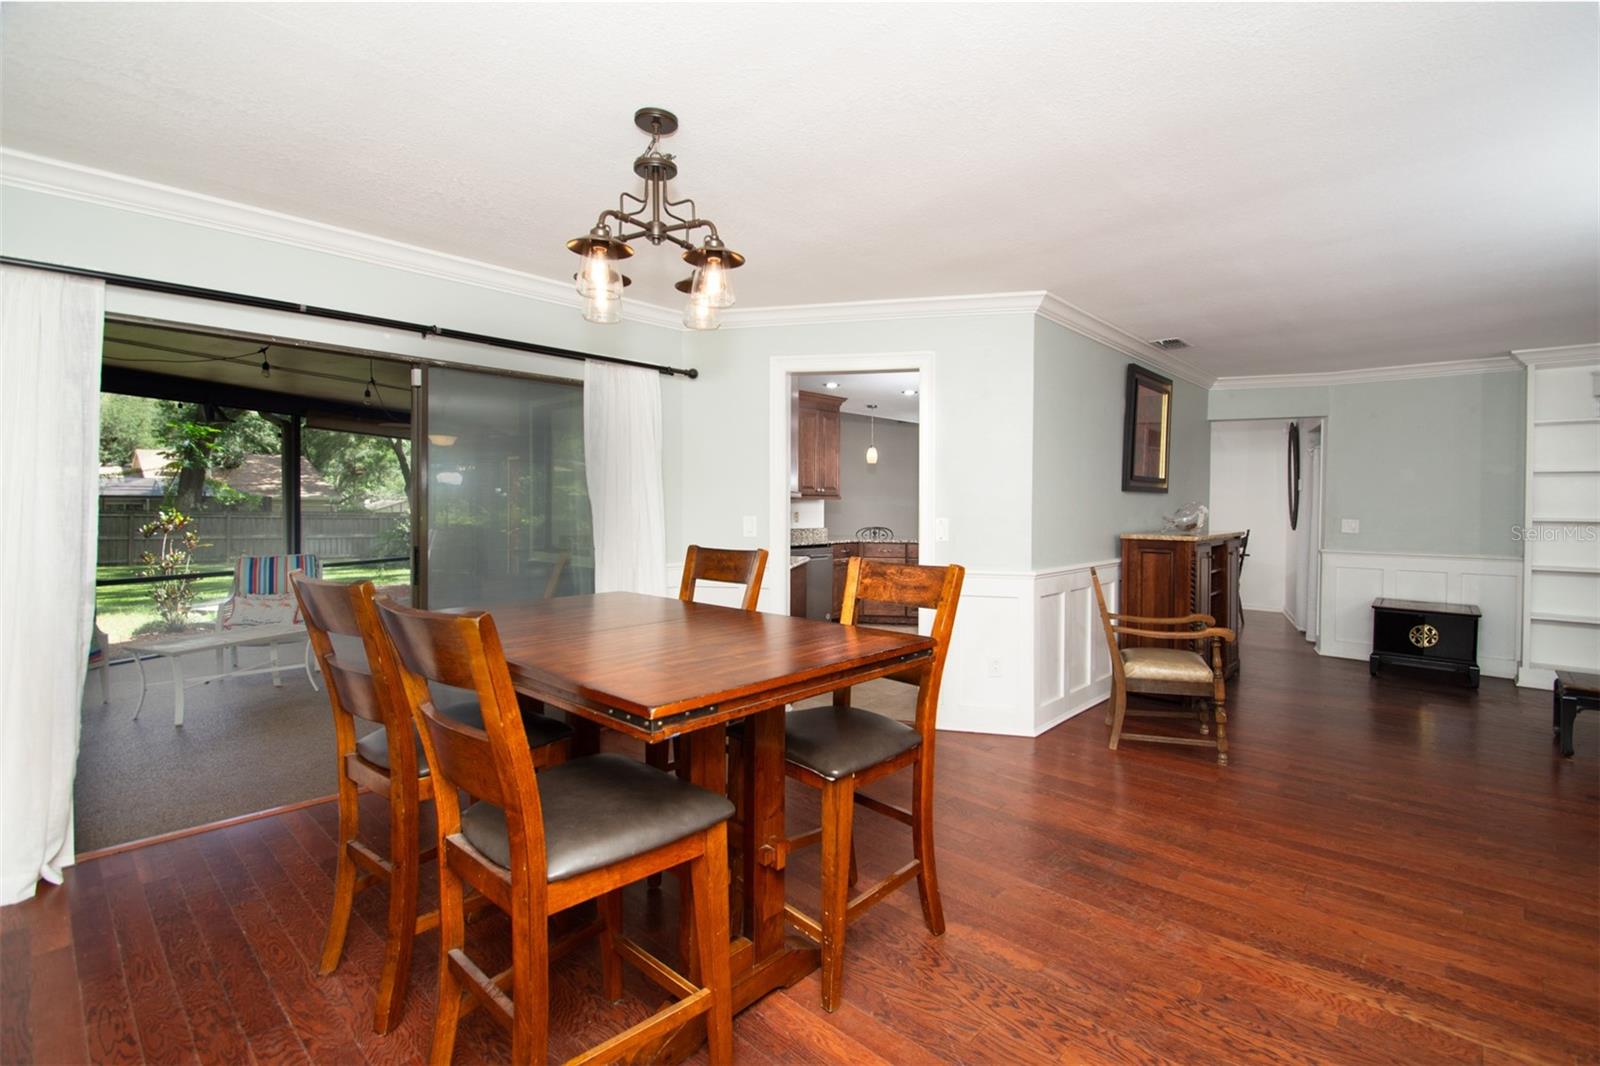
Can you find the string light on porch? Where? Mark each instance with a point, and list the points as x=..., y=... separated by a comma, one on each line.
x=656, y=218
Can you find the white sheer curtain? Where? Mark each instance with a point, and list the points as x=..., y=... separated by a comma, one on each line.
x=50, y=329
x=622, y=454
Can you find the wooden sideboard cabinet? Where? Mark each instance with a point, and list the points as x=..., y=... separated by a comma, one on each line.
x=816, y=450
x=1168, y=575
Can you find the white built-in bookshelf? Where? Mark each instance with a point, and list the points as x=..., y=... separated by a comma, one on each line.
x=1561, y=550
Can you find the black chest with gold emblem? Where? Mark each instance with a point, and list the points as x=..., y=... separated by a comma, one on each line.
x=1439, y=636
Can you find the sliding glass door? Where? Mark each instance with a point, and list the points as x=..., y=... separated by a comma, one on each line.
x=503, y=495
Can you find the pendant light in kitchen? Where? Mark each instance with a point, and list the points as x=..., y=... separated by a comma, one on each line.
x=872, y=439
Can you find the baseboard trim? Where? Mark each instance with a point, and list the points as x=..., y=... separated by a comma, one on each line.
x=195, y=830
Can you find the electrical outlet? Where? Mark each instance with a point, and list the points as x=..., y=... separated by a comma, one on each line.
x=994, y=667
x=941, y=529
x=794, y=516
x=1349, y=525
x=749, y=525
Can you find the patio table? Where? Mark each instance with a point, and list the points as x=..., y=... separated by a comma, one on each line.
x=175, y=648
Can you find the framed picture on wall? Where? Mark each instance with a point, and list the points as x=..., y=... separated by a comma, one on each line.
x=1146, y=431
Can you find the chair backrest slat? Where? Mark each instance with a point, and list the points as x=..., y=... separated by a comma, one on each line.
x=735, y=566
x=333, y=609
x=937, y=588
x=492, y=763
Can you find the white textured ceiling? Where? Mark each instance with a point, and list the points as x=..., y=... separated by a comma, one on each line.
x=1295, y=187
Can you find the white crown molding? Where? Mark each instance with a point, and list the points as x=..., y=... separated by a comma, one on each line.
x=1069, y=316
x=1567, y=355
x=22, y=170
x=998, y=303
x=1452, y=368
x=1034, y=302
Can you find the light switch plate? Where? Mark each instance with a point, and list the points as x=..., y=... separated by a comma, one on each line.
x=941, y=529
x=749, y=525
x=1349, y=525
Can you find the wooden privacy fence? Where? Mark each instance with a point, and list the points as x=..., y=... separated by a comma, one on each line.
x=226, y=536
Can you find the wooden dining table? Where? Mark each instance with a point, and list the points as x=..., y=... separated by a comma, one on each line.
x=653, y=668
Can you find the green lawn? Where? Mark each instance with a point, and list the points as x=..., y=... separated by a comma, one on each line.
x=124, y=609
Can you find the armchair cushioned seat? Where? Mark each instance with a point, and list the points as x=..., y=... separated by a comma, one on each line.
x=836, y=742
x=598, y=811
x=1165, y=664
x=463, y=707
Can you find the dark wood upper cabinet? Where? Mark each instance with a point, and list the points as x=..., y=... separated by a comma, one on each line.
x=817, y=446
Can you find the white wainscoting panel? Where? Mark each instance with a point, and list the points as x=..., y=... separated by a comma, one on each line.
x=1352, y=580
x=1072, y=670
x=989, y=676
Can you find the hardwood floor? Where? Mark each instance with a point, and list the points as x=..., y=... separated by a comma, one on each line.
x=1391, y=870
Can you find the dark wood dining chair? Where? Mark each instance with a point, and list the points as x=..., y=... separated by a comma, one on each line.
x=538, y=841
x=841, y=748
x=1167, y=672
x=736, y=567
x=347, y=641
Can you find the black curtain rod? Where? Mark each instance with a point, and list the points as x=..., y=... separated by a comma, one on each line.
x=220, y=296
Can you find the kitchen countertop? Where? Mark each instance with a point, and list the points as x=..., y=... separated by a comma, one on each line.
x=812, y=538
x=1168, y=535
x=798, y=560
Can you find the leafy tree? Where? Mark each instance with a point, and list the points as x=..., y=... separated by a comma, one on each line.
x=359, y=467
x=126, y=423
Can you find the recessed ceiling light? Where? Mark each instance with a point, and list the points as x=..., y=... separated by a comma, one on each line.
x=908, y=392
x=830, y=384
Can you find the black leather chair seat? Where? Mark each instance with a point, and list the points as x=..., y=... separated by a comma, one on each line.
x=541, y=729
x=601, y=810
x=836, y=742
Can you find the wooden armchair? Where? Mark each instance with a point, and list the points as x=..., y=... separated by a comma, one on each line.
x=1174, y=671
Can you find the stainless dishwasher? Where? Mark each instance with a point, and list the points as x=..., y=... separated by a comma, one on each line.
x=819, y=579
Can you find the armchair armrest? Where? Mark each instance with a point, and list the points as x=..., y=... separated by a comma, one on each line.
x=1185, y=620
x=1209, y=633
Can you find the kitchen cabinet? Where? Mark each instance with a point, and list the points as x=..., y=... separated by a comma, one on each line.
x=816, y=450
x=797, y=590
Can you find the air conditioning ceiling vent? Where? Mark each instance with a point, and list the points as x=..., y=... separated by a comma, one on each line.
x=1171, y=344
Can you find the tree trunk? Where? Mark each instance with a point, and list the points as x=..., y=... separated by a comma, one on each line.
x=405, y=467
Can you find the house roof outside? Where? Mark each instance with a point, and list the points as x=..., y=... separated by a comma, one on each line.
x=258, y=475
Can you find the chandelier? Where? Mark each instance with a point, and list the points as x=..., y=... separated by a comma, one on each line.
x=655, y=218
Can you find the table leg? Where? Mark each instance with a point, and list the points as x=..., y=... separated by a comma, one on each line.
x=177, y=689
x=1569, y=713
x=142, y=687
x=703, y=760
x=764, y=832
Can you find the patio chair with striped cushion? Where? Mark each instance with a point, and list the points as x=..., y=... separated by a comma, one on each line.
x=261, y=594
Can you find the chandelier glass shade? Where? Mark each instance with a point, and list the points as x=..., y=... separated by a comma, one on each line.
x=658, y=219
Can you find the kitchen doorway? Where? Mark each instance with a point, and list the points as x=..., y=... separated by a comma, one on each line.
x=852, y=461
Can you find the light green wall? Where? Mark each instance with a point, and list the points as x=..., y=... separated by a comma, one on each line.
x=983, y=377
x=1305, y=401
x=1079, y=507
x=1429, y=466
x=1432, y=466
